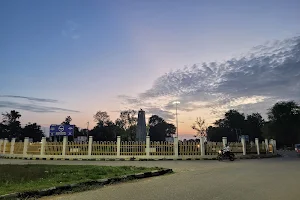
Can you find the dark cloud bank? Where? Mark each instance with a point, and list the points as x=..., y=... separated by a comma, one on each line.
x=267, y=74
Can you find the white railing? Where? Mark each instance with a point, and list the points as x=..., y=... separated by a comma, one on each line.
x=122, y=149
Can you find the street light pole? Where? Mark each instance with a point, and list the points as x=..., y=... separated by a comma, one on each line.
x=176, y=120
x=176, y=103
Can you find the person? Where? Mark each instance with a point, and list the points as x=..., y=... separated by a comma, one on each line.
x=226, y=149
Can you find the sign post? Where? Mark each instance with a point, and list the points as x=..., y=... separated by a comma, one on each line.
x=62, y=130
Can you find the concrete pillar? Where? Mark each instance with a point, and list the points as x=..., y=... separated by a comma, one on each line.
x=176, y=147
x=202, y=147
x=148, y=146
x=257, y=145
x=1, y=143
x=224, y=140
x=274, y=146
x=244, y=145
x=65, y=141
x=43, y=146
x=118, y=145
x=26, y=141
x=90, y=145
x=272, y=143
x=267, y=145
x=12, y=145
x=4, y=145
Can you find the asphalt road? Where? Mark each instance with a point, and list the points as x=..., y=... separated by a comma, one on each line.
x=273, y=178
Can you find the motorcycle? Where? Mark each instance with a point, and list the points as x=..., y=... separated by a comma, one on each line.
x=224, y=155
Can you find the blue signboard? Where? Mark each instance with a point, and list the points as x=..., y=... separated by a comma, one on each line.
x=245, y=136
x=62, y=130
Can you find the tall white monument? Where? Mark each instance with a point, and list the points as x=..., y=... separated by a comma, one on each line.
x=141, y=127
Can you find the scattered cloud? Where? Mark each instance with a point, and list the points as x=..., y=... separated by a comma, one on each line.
x=266, y=74
x=33, y=108
x=167, y=115
x=31, y=98
x=34, y=104
x=71, y=30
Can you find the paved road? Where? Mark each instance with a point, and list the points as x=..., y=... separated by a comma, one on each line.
x=274, y=179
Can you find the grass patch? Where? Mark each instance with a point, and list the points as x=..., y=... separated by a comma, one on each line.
x=21, y=178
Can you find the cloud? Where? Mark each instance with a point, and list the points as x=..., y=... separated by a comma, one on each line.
x=33, y=108
x=71, y=30
x=31, y=98
x=258, y=78
x=166, y=115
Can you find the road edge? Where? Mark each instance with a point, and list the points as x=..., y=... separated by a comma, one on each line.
x=207, y=157
x=83, y=185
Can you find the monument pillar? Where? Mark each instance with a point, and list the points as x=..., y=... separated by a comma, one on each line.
x=141, y=127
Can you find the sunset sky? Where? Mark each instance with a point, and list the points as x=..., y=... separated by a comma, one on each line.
x=70, y=57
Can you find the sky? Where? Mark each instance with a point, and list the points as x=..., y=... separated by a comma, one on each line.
x=70, y=57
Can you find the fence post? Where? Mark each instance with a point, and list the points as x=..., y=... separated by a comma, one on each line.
x=43, y=146
x=26, y=141
x=1, y=142
x=272, y=143
x=118, y=146
x=4, y=145
x=267, y=145
x=176, y=147
x=224, y=140
x=202, y=147
x=65, y=140
x=90, y=145
x=148, y=146
x=257, y=145
x=244, y=145
x=274, y=146
x=12, y=145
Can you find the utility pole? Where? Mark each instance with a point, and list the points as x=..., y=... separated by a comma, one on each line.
x=87, y=128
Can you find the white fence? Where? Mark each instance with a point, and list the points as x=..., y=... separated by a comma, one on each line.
x=127, y=150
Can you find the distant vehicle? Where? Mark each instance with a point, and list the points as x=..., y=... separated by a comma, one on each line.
x=297, y=149
x=225, y=155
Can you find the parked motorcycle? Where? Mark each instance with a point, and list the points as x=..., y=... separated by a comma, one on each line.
x=226, y=155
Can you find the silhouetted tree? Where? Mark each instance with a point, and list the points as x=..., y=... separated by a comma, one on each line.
x=101, y=118
x=32, y=131
x=159, y=129
x=200, y=127
x=11, y=125
x=127, y=125
x=254, y=124
x=284, y=123
x=67, y=121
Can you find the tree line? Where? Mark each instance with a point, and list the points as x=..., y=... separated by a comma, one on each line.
x=283, y=124
x=104, y=130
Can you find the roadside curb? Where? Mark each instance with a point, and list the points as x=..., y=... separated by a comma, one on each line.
x=249, y=156
x=70, y=187
x=260, y=156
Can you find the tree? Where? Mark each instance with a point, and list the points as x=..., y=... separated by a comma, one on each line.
x=231, y=126
x=32, y=131
x=128, y=118
x=284, y=123
x=159, y=129
x=127, y=125
x=155, y=119
x=101, y=118
x=200, y=127
x=108, y=132
x=254, y=124
x=67, y=121
x=11, y=125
